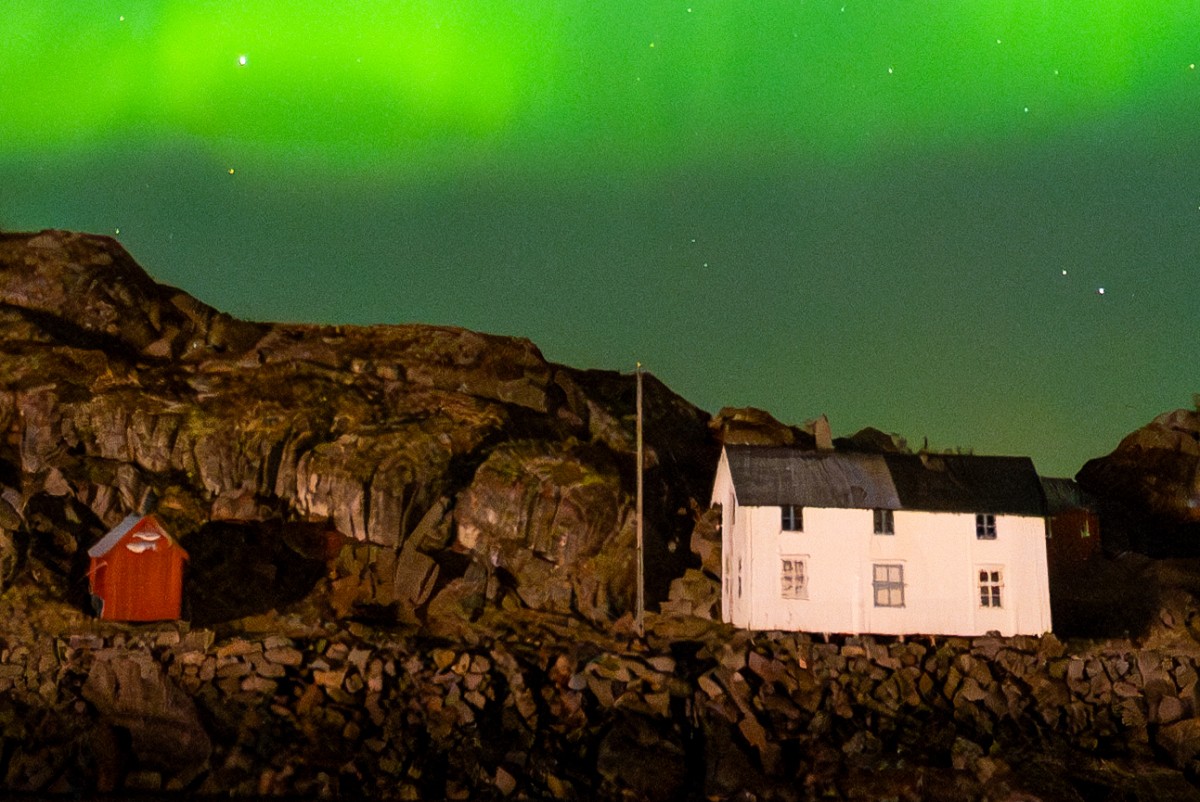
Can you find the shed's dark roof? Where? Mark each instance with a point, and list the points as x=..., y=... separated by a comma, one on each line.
x=105, y=544
x=768, y=476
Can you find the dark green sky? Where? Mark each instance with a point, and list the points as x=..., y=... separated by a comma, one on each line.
x=861, y=210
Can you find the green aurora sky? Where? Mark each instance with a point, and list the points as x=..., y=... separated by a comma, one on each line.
x=900, y=214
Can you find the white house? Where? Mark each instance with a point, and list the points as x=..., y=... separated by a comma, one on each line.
x=896, y=544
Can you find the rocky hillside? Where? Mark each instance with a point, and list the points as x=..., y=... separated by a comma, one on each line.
x=457, y=467
x=412, y=566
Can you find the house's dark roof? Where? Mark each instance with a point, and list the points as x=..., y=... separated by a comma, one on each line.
x=967, y=483
x=769, y=476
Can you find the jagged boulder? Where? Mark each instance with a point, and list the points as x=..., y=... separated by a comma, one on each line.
x=874, y=441
x=757, y=427
x=545, y=515
x=131, y=691
x=1181, y=742
x=1150, y=487
x=706, y=541
x=621, y=763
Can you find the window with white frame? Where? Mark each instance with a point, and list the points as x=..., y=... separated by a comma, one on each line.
x=991, y=587
x=792, y=518
x=985, y=526
x=884, y=522
x=793, y=573
x=888, y=584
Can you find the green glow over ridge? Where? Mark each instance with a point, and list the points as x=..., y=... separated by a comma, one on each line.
x=398, y=83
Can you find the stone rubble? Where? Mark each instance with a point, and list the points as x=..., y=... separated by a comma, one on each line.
x=165, y=708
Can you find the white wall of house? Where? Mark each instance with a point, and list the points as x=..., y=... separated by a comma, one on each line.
x=938, y=553
x=734, y=602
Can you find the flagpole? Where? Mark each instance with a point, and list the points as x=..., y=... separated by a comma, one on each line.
x=641, y=579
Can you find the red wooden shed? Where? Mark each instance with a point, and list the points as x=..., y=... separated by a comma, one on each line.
x=136, y=572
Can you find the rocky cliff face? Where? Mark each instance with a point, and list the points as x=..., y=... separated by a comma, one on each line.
x=408, y=548
x=469, y=465
x=1150, y=487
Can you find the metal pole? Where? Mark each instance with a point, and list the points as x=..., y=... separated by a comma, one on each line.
x=641, y=579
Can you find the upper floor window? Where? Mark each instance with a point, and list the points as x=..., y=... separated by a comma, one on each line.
x=884, y=523
x=888, y=584
x=985, y=526
x=792, y=518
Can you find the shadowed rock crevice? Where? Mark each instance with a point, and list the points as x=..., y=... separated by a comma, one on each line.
x=237, y=570
x=1106, y=597
x=73, y=336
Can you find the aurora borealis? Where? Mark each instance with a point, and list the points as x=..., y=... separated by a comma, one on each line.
x=900, y=215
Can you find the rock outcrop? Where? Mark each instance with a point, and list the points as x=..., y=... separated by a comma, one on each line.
x=757, y=427
x=442, y=449
x=1149, y=487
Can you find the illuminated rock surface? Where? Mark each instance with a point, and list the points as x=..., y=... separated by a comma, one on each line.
x=410, y=577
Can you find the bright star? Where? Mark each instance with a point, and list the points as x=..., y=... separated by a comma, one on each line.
x=241, y=61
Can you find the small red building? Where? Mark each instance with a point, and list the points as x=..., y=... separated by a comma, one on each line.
x=136, y=572
x=1074, y=527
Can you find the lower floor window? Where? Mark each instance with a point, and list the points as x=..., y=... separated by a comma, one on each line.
x=794, y=576
x=990, y=587
x=888, y=584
